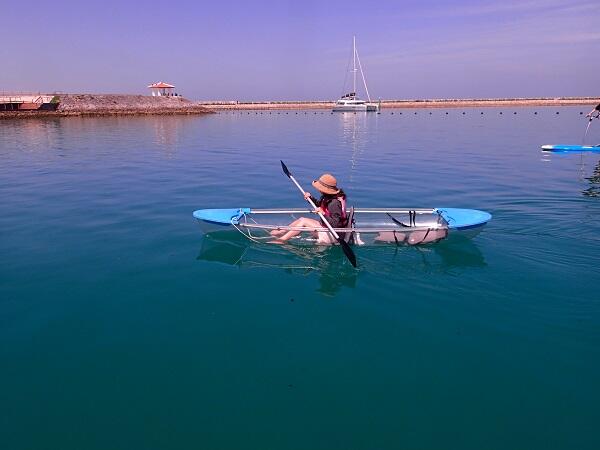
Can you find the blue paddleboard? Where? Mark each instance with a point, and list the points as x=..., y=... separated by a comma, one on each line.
x=571, y=148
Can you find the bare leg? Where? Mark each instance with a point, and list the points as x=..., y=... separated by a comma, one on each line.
x=295, y=223
x=303, y=222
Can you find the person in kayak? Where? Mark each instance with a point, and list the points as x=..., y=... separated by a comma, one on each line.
x=332, y=205
x=595, y=110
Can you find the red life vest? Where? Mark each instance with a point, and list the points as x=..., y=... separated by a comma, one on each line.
x=327, y=213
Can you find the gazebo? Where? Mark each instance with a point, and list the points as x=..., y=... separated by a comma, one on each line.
x=161, y=89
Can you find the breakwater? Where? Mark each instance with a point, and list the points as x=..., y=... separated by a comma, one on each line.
x=114, y=104
x=410, y=103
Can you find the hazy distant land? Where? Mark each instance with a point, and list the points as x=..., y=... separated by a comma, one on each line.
x=412, y=103
x=122, y=104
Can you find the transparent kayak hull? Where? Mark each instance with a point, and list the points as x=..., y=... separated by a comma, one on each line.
x=370, y=226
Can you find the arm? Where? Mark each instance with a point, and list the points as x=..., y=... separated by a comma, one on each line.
x=317, y=202
x=595, y=110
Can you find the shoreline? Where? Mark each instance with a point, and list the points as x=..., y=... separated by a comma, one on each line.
x=409, y=104
x=106, y=105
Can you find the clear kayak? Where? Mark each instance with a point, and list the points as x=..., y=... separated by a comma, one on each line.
x=366, y=226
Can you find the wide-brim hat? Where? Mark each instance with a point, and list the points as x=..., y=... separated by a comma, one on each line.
x=327, y=184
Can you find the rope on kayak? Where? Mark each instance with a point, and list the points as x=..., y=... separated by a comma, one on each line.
x=256, y=239
x=249, y=235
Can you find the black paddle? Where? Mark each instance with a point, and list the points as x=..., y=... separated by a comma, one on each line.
x=345, y=247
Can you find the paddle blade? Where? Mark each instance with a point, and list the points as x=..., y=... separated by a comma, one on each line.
x=285, y=169
x=348, y=251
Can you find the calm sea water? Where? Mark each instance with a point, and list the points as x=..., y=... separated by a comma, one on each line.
x=121, y=327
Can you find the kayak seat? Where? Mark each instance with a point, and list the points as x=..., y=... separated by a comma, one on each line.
x=349, y=237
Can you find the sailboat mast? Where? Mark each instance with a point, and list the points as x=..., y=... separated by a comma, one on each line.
x=354, y=65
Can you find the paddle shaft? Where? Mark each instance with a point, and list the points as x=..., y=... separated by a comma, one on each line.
x=309, y=200
x=586, y=131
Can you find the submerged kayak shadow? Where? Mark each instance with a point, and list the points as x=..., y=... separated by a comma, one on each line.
x=330, y=265
x=451, y=256
x=459, y=252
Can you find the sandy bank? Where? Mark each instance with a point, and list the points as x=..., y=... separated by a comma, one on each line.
x=432, y=103
x=114, y=104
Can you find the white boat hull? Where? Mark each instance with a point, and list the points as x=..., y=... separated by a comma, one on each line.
x=364, y=107
x=350, y=108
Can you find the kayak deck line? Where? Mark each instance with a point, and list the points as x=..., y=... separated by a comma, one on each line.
x=356, y=210
x=337, y=230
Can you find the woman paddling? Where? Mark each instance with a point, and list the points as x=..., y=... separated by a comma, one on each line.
x=332, y=205
x=596, y=110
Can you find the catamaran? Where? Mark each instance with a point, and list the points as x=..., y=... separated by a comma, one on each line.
x=350, y=102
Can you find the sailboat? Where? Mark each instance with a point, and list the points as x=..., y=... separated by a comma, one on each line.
x=350, y=102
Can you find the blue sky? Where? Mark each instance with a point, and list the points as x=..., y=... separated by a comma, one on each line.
x=279, y=50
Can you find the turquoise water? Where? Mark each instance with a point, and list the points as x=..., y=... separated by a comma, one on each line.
x=121, y=327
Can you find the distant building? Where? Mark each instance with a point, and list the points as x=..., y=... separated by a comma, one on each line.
x=161, y=89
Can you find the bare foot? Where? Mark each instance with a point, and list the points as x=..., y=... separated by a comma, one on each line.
x=277, y=232
x=277, y=241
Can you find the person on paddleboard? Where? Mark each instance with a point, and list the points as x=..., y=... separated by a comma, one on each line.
x=596, y=110
x=332, y=204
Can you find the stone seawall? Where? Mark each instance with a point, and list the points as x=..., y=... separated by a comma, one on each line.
x=114, y=104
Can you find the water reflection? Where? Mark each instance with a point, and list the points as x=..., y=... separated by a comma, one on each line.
x=329, y=263
x=593, y=180
x=167, y=132
x=354, y=135
x=594, y=183
x=31, y=135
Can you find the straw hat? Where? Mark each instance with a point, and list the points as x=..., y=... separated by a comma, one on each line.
x=327, y=184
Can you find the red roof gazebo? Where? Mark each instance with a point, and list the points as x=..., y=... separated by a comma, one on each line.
x=161, y=89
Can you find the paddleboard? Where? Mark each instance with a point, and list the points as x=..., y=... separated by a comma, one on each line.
x=571, y=148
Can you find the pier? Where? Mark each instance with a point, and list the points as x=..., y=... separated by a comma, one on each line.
x=28, y=102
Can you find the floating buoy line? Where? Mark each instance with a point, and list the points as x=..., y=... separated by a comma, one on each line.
x=378, y=113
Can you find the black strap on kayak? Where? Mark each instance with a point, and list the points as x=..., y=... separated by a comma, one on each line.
x=396, y=221
x=412, y=215
x=396, y=239
x=425, y=237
